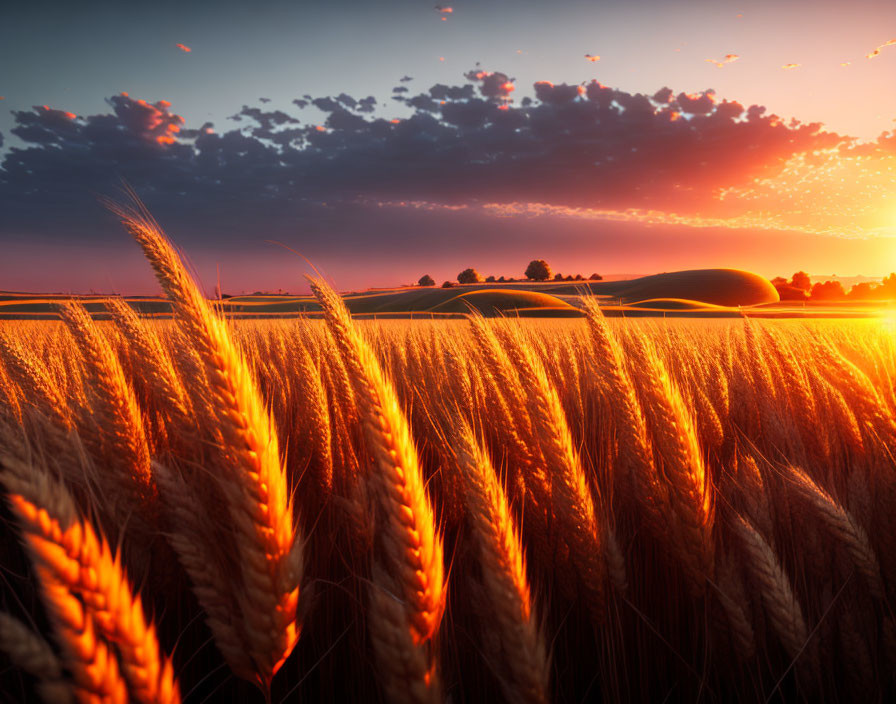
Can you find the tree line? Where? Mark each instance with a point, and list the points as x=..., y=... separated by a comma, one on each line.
x=801, y=288
x=538, y=270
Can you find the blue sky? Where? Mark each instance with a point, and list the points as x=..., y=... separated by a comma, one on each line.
x=223, y=195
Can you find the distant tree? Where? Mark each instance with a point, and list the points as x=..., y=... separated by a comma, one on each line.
x=864, y=291
x=787, y=291
x=888, y=287
x=579, y=277
x=828, y=291
x=801, y=280
x=501, y=279
x=469, y=276
x=538, y=270
x=791, y=293
x=426, y=280
x=558, y=277
x=490, y=279
x=568, y=277
x=595, y=277
x=448, y=284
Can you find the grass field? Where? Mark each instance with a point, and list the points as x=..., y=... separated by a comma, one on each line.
x=475, y=510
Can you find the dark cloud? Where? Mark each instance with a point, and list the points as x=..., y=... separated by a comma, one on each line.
x=327, y=104
x=443, y=92
x=367, y=104
x=663, y=95
x=697, y=104
x=492, y=84
x=347, y=100
x=400, y=89
x=552, y=94
x=405, y=79
x=574, y=145
x=264, y=100
x=266, y=119
x=207, y=128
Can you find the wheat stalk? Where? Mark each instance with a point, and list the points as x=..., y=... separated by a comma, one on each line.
x=573, y=503
x=125, y=445
x=254, y=482
x=676, y=443
x=411, y=543
x=72, y=558
x=841, y=525
x=781, y=605
x=32, y=654
x=522, y=650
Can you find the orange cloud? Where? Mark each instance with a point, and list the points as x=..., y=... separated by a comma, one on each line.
x=874, y=54
x=184, y=48
x=592, y=58
x=729, y=59
x=320, y=128
x=846, y=63
x=444, y=10
x=790, y=67
x=61, y=113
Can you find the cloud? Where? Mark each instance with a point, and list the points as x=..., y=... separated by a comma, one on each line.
x=729, y=59
x=269, y=124
x=573, y=146
x=592, y=58
x=184, y=48
x=264, y=100
x=492, y=84
x=791, y=67
x=877, y=51
x=697, y=103
x=405, y=79
x=367, y=104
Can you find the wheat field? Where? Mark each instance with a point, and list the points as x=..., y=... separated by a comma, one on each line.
x=202, y=509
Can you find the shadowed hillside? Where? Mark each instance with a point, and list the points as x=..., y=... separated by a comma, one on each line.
x=693, y=290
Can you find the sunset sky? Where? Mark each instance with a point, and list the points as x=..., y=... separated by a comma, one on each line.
x=385, y=140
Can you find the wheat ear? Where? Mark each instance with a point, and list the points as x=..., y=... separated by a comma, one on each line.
x=72, y=553
x=634, y=454
x=32, y=654
x=525, y=675
x=254, y=481
x=841, y=525
x=781, y=605
x=153, y=360
x=676, y=443
x=412, y=547
x=118, y=414
x=34, y=381
x=573, y=502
